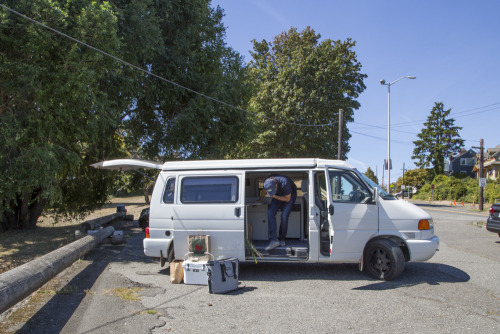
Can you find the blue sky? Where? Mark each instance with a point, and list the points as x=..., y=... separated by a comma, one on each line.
x=451, y=46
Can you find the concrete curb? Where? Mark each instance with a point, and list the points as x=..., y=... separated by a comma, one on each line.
x=20, y=282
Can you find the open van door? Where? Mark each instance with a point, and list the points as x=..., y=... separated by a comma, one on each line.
x=127, y=164
x=352, y=214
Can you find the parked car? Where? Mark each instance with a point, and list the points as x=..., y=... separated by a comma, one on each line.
x=493, y=222
x=400, y=194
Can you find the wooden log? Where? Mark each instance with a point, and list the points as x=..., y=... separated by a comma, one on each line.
x=20, y=282
x=94, y=224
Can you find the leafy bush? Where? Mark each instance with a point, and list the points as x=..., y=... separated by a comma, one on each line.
x=459, y=189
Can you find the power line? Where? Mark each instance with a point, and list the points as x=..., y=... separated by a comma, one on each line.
x=158, y=76
x=453, y=114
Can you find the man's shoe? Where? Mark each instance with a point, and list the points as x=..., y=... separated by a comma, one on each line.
x=282, y=243
x=272, y=245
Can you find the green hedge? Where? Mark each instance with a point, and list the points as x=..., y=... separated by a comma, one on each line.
x=459, y=189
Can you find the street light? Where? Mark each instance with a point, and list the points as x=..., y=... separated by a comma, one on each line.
x=382, y=82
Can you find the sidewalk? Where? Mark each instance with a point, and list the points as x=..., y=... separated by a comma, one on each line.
x=452, y=204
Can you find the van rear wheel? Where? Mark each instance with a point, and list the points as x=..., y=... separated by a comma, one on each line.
x=383, y=259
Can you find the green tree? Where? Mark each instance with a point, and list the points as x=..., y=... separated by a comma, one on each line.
x=438, y=140
x=418, y=177
x=182, y=41
x=299, y=80
x=59, y=108
x=64, y=106
x=371, y=175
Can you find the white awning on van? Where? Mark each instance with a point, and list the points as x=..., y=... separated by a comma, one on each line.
x=127, y=164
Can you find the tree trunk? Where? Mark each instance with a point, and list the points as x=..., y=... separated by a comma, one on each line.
x=146, y=193
x=24, y=212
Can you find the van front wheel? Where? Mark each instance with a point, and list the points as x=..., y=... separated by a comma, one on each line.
x=383, y=259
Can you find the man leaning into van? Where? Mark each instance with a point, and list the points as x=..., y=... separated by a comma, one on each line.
x=283, y=192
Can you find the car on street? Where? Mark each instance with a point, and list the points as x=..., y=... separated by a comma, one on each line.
x=493, y=222
x=407, y=194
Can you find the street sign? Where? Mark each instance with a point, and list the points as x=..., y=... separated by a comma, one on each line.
x=432, y=186
x=403, y=187
x=482, y=182
x=385, y=164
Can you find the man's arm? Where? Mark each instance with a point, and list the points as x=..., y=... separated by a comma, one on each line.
x=262, y=195
x=285, y=198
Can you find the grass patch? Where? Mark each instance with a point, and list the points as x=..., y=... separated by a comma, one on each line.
x=128, y=294
x=67, y=290
x=19, y=247
x=479, y=224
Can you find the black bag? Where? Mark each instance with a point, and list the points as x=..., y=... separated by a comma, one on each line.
x=222, y=275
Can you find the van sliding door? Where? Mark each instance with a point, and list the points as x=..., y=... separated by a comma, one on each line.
x=211, y=204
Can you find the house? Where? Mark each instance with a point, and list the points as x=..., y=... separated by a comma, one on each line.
x=491, y=164
x=462, y=163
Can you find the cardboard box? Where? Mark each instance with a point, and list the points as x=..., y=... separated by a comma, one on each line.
x=195, y=272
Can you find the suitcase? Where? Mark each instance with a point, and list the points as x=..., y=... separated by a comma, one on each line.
x=223, y=275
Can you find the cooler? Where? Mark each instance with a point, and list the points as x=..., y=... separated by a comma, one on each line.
x=195, y=272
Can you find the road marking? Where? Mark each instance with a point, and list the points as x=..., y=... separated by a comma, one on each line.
x=466, y=213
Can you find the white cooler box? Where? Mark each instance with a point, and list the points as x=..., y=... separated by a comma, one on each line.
x=195, y=272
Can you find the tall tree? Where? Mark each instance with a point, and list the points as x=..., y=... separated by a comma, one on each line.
x=438, y=140
x=371, y=175
x=300, y=83
x=64, y=106
x=182, y=41
x=59, y=108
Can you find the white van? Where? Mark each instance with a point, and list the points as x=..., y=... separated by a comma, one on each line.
x=339, y=215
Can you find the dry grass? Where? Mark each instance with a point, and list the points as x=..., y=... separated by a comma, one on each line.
x=127, y=294
x=19, y=247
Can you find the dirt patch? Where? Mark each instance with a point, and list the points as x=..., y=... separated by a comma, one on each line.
x=19, y=247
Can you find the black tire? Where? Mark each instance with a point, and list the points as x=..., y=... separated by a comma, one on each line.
x=383, y=260
x=144, y=218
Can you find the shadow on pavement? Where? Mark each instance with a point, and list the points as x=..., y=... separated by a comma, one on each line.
x=56, y=313
x=52, y=317
x=421, y=273
x=415, y=273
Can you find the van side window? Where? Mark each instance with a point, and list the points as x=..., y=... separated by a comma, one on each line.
x=168, y=195
x=347, y=188
x=212, y=189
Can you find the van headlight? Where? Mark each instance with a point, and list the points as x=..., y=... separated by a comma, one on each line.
x=425, y=224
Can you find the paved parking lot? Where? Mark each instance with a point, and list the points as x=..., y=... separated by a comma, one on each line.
x=456, y=291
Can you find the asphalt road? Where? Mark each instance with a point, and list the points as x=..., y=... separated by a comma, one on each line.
x=457, y=291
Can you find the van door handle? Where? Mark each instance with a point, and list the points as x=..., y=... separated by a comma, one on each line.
x=331, y=210
x=237, y=212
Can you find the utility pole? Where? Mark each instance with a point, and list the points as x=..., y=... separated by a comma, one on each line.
x=481, y=170
x=339, y=156
x=403, y=190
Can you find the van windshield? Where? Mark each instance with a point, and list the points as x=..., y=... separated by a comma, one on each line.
x=382, y=193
